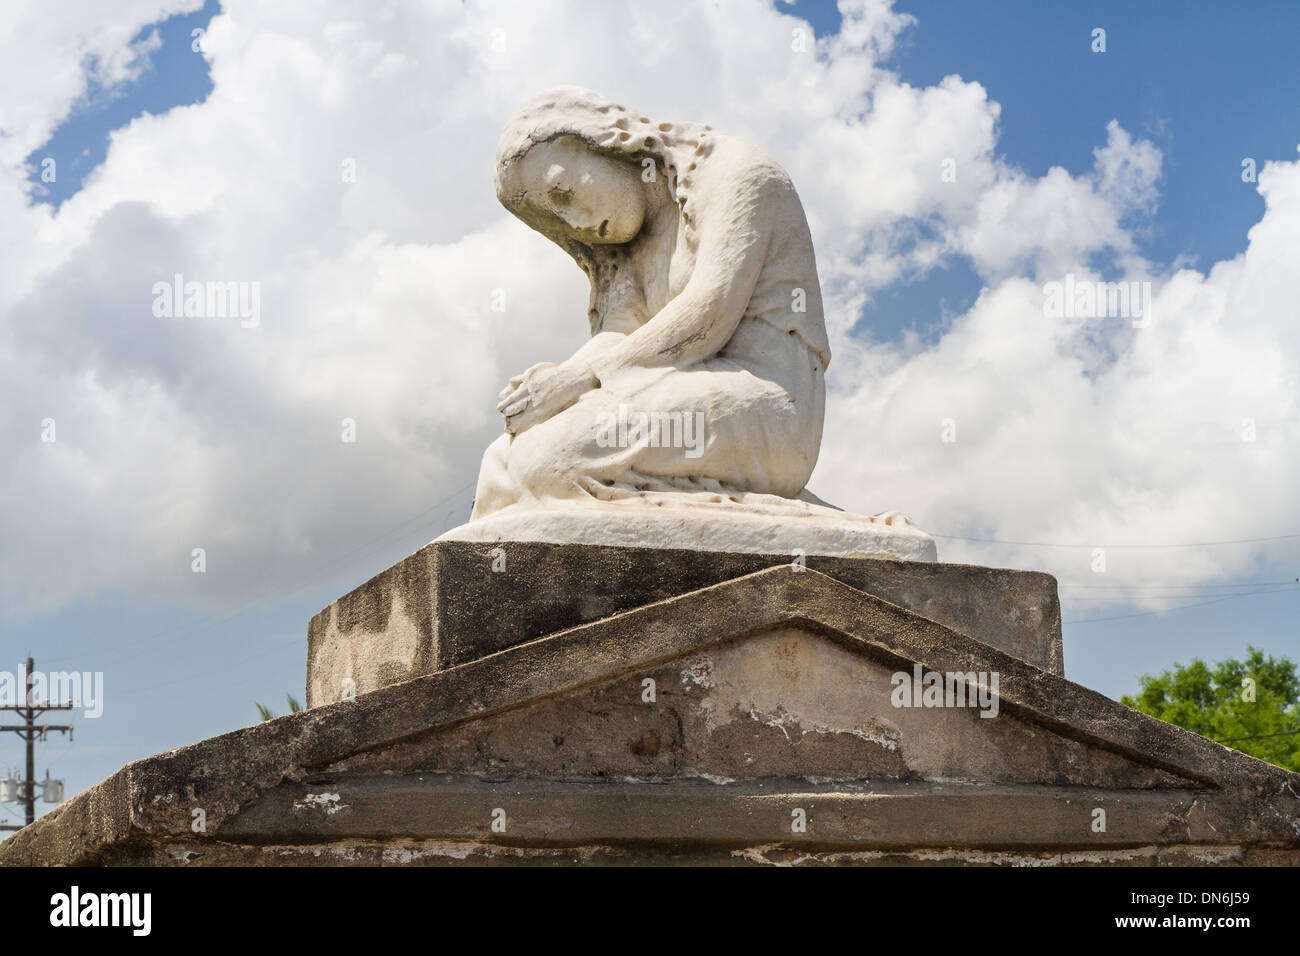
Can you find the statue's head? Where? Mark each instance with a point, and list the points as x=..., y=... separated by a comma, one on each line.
x=580, y=169
x=565, y=189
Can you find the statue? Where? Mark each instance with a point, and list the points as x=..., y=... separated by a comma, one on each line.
x=693, y=415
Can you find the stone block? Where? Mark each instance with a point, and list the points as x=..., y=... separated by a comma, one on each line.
x=453, y=602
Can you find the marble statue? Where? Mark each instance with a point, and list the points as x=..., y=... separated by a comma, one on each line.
x=692, y=417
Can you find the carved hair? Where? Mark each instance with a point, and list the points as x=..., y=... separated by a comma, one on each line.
x=615, y=131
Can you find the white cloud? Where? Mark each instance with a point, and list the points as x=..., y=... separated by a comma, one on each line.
x=1092, y=430
x=376, y=296
x=52, y=58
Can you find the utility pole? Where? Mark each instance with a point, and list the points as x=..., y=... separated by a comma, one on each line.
x=30, y=731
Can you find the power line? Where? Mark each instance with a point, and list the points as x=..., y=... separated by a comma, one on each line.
x=1059, y=544
x=1163, y=587
x=1181, y=607
x=1125, y=599
x=1159, y=594
x=31, y=733
x=59, y=756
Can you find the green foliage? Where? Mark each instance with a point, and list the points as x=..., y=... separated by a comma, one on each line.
x=266, y=714
x=1216, y=703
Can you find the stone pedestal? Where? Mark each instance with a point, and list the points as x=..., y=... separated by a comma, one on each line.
x=453, y=602
x=611, y=706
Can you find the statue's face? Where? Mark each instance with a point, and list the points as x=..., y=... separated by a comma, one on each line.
x=592, y=198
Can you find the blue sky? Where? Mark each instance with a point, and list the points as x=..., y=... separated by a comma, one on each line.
x=1208, y=84
x=175, y=77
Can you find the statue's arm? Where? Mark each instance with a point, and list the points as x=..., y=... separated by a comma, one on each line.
x=597, y=345
x=736, y=233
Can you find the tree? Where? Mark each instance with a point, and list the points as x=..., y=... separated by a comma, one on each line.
x=1257, y=699
x=294, y=707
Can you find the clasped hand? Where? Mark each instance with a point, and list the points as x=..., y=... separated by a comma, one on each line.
x=541, y=392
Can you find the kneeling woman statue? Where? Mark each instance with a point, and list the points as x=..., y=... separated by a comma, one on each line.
x=705, y=311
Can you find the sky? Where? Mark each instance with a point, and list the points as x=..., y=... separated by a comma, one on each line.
x=1151, y=467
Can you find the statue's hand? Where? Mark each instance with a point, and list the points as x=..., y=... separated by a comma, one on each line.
x=515, y=382
x=543, y=392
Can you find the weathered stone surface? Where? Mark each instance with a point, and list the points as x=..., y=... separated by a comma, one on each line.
x=401, y=851
x=772, y=678
x=542, y=813
x=445, y=605
x=783, y=703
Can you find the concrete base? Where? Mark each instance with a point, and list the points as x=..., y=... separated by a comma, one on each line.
x=452, y=602
x=754, y=721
